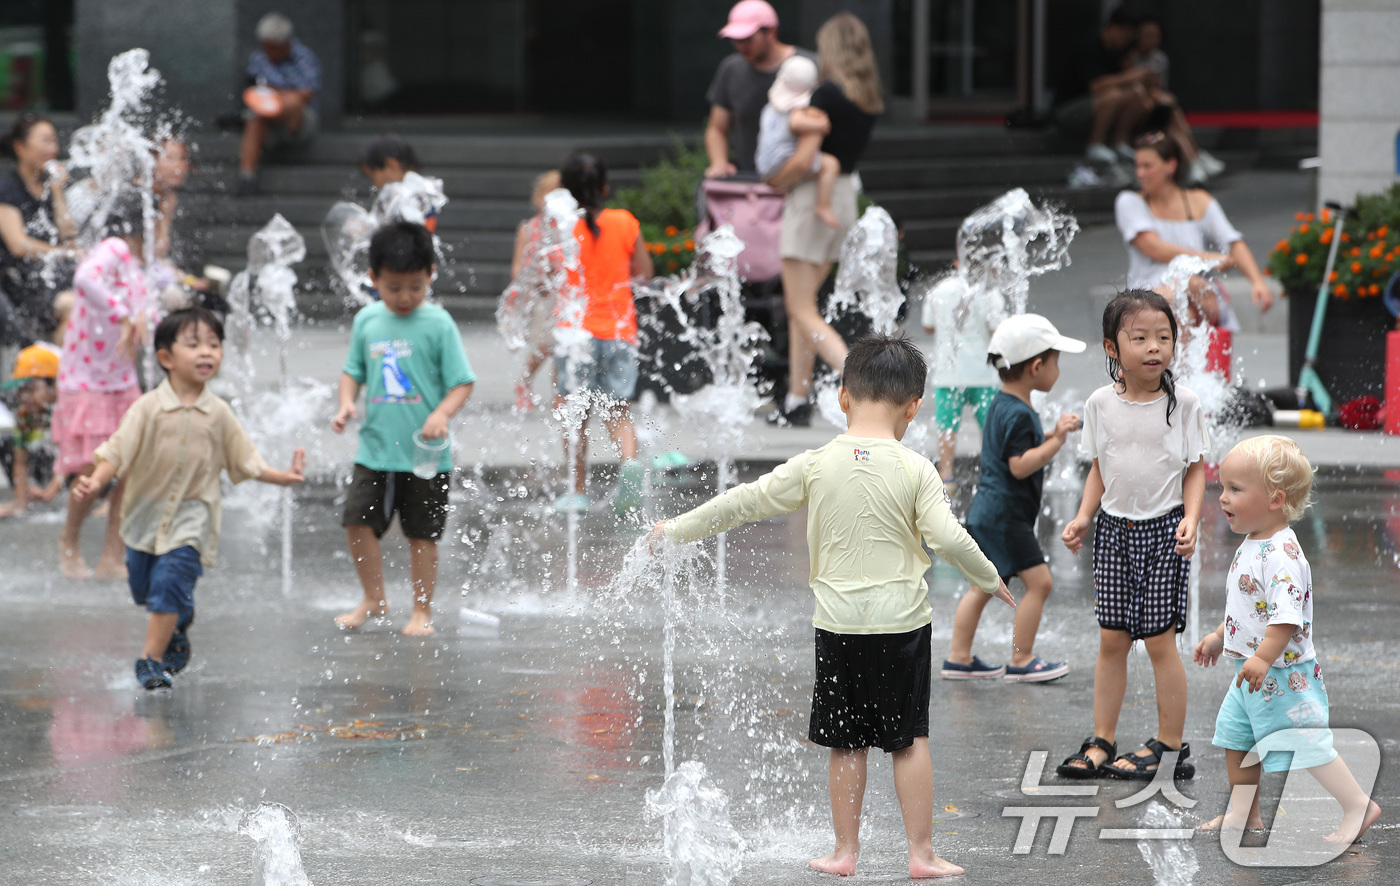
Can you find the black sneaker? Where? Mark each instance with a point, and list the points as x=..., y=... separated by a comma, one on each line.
x=177, y=652
x=799, y=416
x=151, y=674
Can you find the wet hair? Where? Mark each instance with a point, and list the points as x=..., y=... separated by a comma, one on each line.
x=885, y=368
x=1281, y=466
x=388, y=146
x=177, y=322
x=586, y=177
x=1165, y=147
x=274, y=28
x=24, y=124
x=1016, y=370
x=402, y=247
x=1126, y=305
x=126, y=217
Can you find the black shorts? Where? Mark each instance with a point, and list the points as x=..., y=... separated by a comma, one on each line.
x=1012, y=547
x=871, y=689
x=375, y=496
x=1141, y=584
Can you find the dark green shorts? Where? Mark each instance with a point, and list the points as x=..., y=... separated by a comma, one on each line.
x=375, y=496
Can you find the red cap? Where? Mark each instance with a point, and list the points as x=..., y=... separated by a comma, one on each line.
x=747, y=17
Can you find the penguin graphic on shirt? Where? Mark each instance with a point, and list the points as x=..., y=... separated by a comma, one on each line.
x=398, y=387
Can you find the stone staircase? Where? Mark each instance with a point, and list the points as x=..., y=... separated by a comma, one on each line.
x=928, y=178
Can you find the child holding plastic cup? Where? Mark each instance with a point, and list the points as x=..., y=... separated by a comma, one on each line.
x=408, y=356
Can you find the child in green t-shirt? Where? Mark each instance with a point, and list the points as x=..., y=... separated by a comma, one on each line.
x=408, y=356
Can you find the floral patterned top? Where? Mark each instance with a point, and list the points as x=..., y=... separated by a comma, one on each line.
x=1270, y=583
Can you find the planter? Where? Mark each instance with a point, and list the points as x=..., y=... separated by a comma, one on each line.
x=1351, y=355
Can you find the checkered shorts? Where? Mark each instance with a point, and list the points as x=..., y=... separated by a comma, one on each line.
x=1140, y=582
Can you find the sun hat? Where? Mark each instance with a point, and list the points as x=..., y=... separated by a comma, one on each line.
x=793, y=86
x=1023, y=336
x=36, y=361
x=747, y=18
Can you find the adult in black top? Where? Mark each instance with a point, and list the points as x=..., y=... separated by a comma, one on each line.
x=33, y=221
x=851, y=100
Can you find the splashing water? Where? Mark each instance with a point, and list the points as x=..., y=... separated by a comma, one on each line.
x=1183, y=276
x=726, y=406
x=1008, y=241
x=1173, y=862
x=266, y=290
x=276, y=859
x=699, y=840
x=866, y=280
x=866, y=284
x=348, y=227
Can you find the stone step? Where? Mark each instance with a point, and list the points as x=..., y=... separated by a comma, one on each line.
x=461, y=213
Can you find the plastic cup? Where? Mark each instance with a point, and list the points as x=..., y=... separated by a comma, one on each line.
x=427, y=454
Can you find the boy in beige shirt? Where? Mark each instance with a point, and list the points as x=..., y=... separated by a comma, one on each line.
x=171, y=446
x=870, y=501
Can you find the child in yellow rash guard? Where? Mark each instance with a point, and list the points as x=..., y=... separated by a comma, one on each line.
x=870, y=502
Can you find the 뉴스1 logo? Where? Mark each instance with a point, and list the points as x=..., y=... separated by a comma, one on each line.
x=862, y=455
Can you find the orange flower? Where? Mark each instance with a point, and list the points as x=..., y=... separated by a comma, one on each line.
x=690, y=244
x=1377, y=251
x=671, y=266
x=1303, y=229
x=675, y=247
x=1382, y=231
x=1356, y=267
x=1375, y=289
x=1332, y=278
x=1346, y=238
x=672, y=230
x=1326, y=237
x=1326, y=216
x=1356, y=252
x=1282, y=246
x=1298, y=217
x=1308, y=217
x=1339, y=290
x=1302, y=258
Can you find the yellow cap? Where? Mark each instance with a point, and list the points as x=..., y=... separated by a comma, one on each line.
x=36, y=361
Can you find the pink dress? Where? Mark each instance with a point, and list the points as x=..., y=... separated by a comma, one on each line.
x=97, y=383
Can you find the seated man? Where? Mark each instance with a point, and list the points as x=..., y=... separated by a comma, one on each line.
x=1097, y=96
x=286, y=67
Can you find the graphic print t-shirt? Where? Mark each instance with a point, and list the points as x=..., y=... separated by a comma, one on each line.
x=1270, y=583
x=407, y=365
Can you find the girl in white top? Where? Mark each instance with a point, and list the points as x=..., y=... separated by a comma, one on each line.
x=1164, y=220
x=1147, y=439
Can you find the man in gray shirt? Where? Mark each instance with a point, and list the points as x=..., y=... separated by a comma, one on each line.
x=740, y=88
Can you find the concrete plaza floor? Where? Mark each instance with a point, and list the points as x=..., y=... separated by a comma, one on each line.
x=525, y=756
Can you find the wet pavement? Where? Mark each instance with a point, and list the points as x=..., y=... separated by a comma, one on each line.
x=468, y=758
x=525, y=756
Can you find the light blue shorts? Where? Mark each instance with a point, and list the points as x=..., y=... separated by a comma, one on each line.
x=1290, y=697
x=612, y=369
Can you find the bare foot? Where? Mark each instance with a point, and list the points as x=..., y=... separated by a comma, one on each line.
x=70, y=563
x=356, y=618
x=825, y=214
x=420, y=625
x=1353, y=826
x=1221, y=823
x=13, y=508
x=843, y=864
x=933, y=866
x=110, y=569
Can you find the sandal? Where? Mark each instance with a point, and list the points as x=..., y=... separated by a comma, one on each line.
x=1090, y=769
x=1140, y=762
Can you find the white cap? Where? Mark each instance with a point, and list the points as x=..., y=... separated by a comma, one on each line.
x=792, y=87
x=1023, y=336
